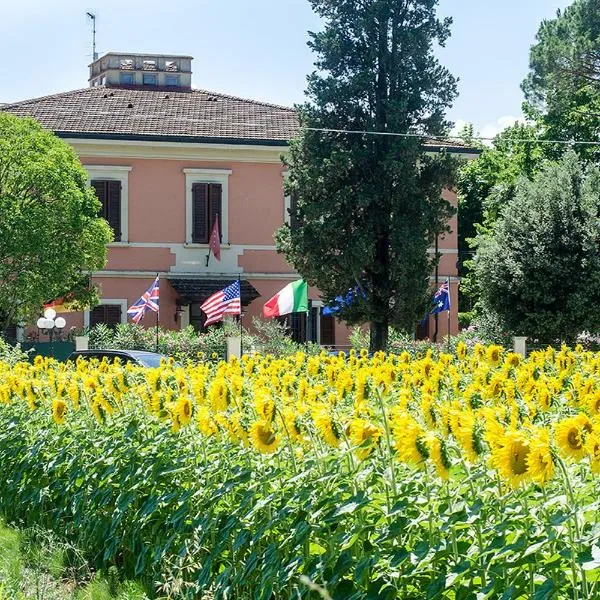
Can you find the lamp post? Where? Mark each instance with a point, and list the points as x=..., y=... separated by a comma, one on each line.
x=50, y=323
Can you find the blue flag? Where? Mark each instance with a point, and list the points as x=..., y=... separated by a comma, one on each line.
x=342, y=301
x=441, y=299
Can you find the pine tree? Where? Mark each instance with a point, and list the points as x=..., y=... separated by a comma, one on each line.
x=367, y=207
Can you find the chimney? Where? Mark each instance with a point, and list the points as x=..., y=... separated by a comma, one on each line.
x=151, y=71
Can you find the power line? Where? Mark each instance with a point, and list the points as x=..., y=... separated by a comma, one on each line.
x=455, y=137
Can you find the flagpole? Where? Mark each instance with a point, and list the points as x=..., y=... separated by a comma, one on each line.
x=241, y=313
x=449, y=307
x=157, y=313
x=437, y=285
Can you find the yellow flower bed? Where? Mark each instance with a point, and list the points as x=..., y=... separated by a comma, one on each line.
x=521, y=416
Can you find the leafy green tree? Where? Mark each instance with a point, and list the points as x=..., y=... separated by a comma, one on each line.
x=367, y=207
x=50, y=232
x=486, y=184
x=539, y=269
x=563, y=85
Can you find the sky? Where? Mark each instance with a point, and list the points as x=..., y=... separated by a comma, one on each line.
x=257, y=49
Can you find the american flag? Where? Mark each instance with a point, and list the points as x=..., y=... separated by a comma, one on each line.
x=227, y=301
x=148, y=301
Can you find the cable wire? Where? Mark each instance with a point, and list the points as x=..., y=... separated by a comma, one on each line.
x=454, y=137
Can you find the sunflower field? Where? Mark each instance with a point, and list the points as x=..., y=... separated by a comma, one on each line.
x=465, y=476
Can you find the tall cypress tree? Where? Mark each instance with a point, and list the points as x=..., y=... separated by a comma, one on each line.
x=367, y=207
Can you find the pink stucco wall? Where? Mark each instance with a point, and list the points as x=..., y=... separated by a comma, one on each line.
x=157, y=205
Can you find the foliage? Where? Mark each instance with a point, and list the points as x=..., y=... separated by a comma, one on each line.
x=182, y=345
x=50, y=234
x=388, y=477
x=270, y=337
x=273, y=338
x=563, y=85
x=539, y=270
x=368, y=207
x=36, y=565
x=11, y=354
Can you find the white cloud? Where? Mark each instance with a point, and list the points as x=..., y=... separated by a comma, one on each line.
x=489, y=130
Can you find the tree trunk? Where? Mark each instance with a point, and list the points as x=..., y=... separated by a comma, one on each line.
x=378, y=336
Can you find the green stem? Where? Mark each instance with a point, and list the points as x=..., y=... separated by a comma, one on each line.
x=388, y=440
x=575, y=544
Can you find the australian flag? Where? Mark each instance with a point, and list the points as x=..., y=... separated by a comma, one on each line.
x=340, y=302
x=148, y=301
x=441, y=299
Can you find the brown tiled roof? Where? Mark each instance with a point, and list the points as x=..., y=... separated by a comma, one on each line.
x=163, y=114
x=193, y=115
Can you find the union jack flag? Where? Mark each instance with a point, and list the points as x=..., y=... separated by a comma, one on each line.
x=148, y=301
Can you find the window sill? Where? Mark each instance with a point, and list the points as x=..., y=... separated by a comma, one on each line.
x=206, y=246
x=118, y=245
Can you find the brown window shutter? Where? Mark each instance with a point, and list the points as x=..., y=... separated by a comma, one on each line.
x=200, y=231
x=113, y=208
x=109, y=314
x=109, y=194
x=100, y=189
x=327, y=331
x=215, y=196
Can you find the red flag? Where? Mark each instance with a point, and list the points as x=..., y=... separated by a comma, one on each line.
x=215, y=243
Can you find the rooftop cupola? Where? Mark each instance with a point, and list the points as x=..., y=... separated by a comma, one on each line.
x=122, y=69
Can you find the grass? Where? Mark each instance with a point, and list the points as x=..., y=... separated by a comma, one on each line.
x=34, y=565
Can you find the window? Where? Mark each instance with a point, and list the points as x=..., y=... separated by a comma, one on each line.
x=322, y=327
x=171, y=66
x=206, y=195
x=110, y=312
x=149, y=65
x=206, y=207
x=109, y=194
x=149, y=79
x=115, y=201
x=172, y=80
x=126, y=64
x=126, y=78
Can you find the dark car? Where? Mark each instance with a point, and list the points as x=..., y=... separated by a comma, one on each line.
x=137, y=357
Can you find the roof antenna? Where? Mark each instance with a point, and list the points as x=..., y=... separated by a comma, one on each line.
x=92, y=16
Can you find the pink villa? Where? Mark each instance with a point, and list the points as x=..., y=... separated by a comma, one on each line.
x=164, y=159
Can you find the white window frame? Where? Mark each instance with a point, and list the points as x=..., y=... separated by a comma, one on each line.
x=122, y=302
x=193, y=176
x=318, y=304
x=115, y=173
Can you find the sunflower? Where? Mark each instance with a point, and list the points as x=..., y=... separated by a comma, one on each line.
x=593, y=402
x=570, y=436
x=59, y=410
x=592, y=445
x=409, y=439
x=326, y=427
x=540, y=462
x=364, y=435
x=511, y=457
x=206, y=425
x=183, y=411
x=438, y=453
x=263, y=437
x=493, y=354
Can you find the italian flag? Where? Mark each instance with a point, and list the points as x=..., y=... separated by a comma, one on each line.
x=292, y=298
